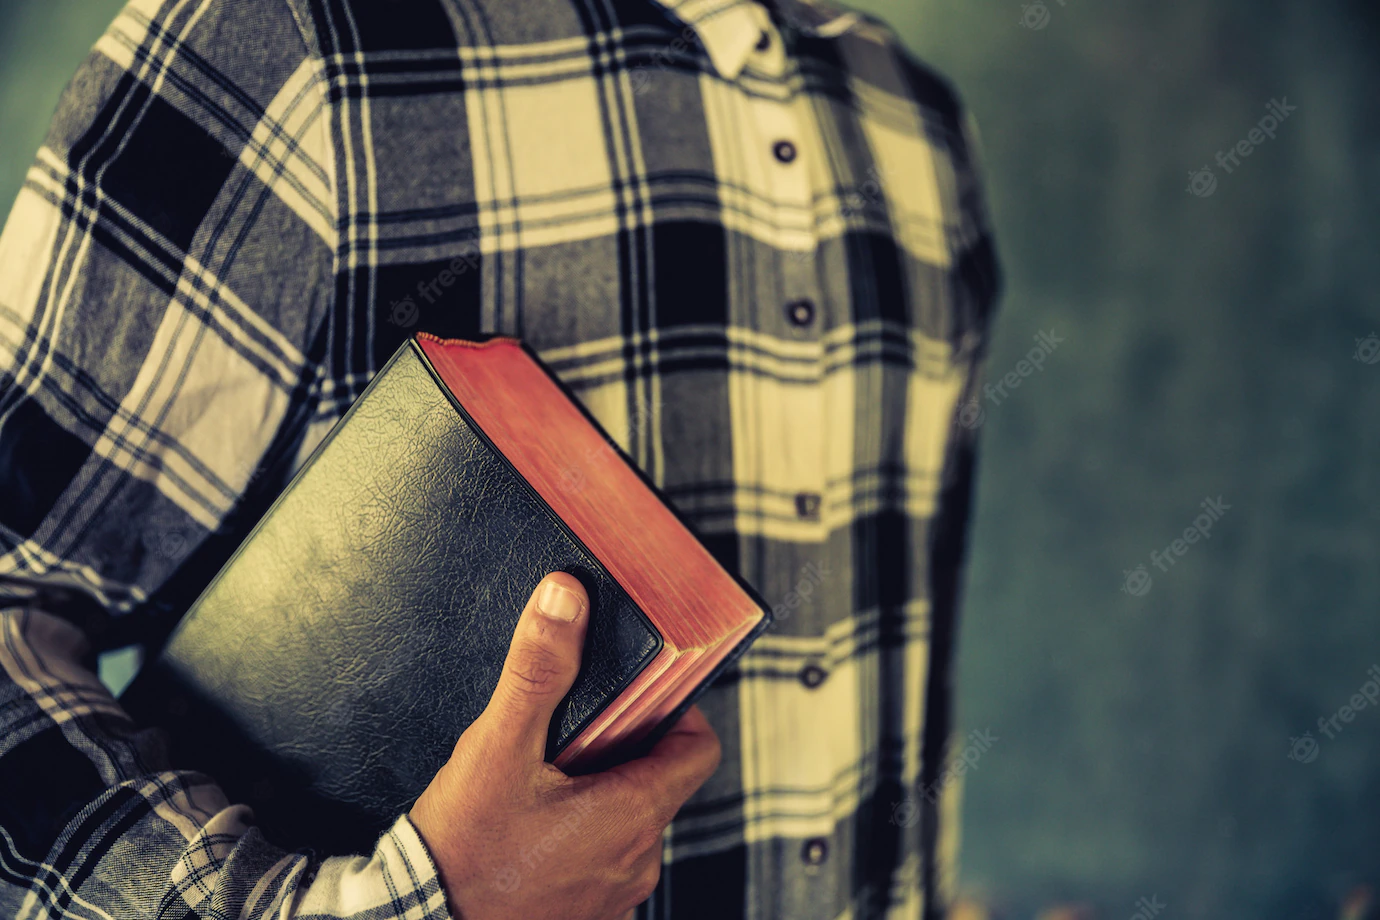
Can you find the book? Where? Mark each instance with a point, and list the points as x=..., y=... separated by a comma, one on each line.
x=325, y=673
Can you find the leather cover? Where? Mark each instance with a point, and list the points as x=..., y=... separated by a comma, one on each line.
x=325, y=674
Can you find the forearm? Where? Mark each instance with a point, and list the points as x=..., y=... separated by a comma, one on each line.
x=94, y=820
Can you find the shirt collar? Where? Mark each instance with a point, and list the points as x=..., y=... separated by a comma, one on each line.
x=729, y=29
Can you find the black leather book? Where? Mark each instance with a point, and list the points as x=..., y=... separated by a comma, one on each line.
x=325, y=674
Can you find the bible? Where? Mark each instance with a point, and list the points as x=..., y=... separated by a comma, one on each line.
x=326, y=672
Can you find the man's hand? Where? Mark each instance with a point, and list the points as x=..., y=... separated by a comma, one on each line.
x=512, y=835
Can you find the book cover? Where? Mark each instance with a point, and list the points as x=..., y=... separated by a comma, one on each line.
x=326, y=672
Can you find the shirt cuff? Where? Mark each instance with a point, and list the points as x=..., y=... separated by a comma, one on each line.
x=405, y=856
x=398, y=881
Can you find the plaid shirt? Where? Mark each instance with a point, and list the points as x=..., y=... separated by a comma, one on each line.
x=752, y=243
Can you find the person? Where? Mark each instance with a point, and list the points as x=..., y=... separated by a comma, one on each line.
x=751, y=239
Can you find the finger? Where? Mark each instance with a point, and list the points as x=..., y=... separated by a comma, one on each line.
x=693, y=721
x=542, y=662
x=686, y=756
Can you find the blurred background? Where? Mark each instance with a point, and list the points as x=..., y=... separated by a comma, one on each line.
x=1162, y=744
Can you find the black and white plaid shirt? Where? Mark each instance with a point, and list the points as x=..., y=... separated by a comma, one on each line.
x=753, y=243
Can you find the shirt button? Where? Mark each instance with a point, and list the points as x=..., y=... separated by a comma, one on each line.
x=815, y=851
x=807, y=505
x=763, y=41
x=800, y=312
x=812, y=675
x=784, y=150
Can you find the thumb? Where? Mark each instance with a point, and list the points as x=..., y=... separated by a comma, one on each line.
x=542, y=662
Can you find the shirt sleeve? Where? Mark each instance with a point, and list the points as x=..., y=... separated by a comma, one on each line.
x=94, y=824
x=976, y=285
x=165, y=276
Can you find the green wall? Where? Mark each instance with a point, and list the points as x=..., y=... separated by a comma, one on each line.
x=1209, y=349
x=41, y=44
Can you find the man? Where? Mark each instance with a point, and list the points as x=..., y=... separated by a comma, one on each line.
x=752, y=241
